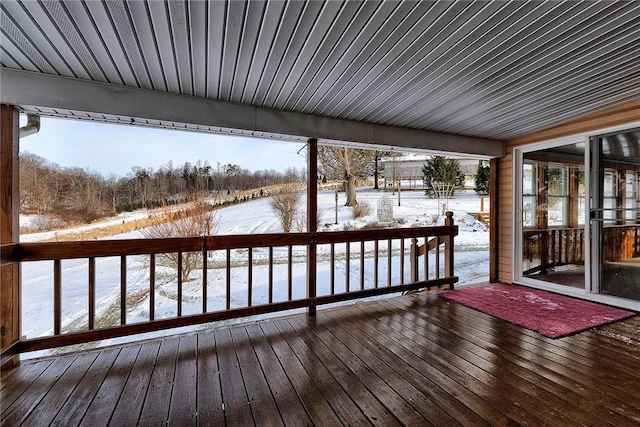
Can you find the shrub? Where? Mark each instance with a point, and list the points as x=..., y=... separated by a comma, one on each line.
x=361, y=209
x=285, y=204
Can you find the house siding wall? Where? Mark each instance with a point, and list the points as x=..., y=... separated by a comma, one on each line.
x=613, y=116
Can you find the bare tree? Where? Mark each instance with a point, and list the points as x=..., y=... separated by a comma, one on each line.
x=285, y=204
x=196, y=219
x=347, y=164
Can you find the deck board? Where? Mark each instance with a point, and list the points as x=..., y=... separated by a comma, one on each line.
x=412, y=360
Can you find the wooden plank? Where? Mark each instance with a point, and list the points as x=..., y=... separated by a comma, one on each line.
x=340, y=401
x=429, y=372
x=305, y=387
x=209, y=393
x=183, y=409
x=50, y=405
x=289, y=404
x=262, y=402
x=453, y=401
x=105, y=400
x=16, y=381
x=82, y=396
x=128, y=408
x=500, y=340
x=236, y=401
x=388, y=367
x=155, y=409
x=358, y=364
x=19, y=410
x=461, y=360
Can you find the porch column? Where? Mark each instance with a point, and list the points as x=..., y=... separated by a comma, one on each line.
x=494, y=196
x=9, y=233
x=312, y=218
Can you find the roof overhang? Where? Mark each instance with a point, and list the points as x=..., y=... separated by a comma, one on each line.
x=56, y=96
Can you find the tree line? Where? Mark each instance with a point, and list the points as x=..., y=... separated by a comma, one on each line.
x=83, y=195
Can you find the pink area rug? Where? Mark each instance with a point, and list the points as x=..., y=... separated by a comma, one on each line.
x=550, y=314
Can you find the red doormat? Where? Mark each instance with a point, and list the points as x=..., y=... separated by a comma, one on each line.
x=550, y=314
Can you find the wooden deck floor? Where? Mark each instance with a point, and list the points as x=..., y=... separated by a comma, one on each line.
x=415, y=360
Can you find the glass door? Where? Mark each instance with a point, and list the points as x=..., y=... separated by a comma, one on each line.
x=553, y=215
x=615, y=214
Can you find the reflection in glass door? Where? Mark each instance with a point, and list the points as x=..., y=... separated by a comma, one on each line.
x=615, y=214
x=553, y=215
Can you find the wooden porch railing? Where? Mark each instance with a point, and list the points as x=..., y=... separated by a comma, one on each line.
x=374, y=245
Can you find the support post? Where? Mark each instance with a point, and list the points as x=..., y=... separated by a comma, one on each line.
x=493, y=220
x=448, y=249
x=9, y=233
x=415, y=254
x=312, y=219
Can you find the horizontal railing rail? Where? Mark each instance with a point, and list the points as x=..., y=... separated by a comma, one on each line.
x=229, y=257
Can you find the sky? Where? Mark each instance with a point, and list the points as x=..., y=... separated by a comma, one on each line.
x=108, y=148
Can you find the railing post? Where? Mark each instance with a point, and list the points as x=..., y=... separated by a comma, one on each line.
x=9, y=233
x=312, y=220
x=448, y=249
x=414, y=259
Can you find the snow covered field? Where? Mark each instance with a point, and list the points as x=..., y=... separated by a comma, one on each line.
x=471, y=263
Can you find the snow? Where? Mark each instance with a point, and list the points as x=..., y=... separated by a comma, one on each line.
x=253, y=217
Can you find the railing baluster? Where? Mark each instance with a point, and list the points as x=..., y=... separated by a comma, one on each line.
x=152, y=287
x=92, y=293
x=414, y=259
x=205, y=275
x=426, y=258
x=249, y=277
x=123, y=290
x=179, y=284
x=290, y=274
x=333, y=269
x=376, y=253
x=389, y=256
x=347, y=261
x=270, y=274
x=57, y=297
x=402, y=261
x=228, y=293
x=437, y=257
x=362, y=265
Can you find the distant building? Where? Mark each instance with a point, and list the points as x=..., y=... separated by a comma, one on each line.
x=408, y=169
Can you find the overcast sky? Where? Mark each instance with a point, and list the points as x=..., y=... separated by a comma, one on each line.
x=107, y=148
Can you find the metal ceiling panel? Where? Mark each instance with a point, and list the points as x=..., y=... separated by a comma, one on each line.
x=487, y=69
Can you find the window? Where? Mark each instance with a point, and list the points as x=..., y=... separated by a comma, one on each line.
x=529, y=194
x=557, y=196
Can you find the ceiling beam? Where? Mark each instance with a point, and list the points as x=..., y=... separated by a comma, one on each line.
x=24, y=88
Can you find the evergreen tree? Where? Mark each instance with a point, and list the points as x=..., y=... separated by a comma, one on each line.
x=482, y=180
x=444, y=171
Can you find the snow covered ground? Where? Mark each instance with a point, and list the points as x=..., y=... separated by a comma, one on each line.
x=415, y=210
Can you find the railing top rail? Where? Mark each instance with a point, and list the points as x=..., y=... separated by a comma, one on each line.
x=122, y=247
x=386, y=233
